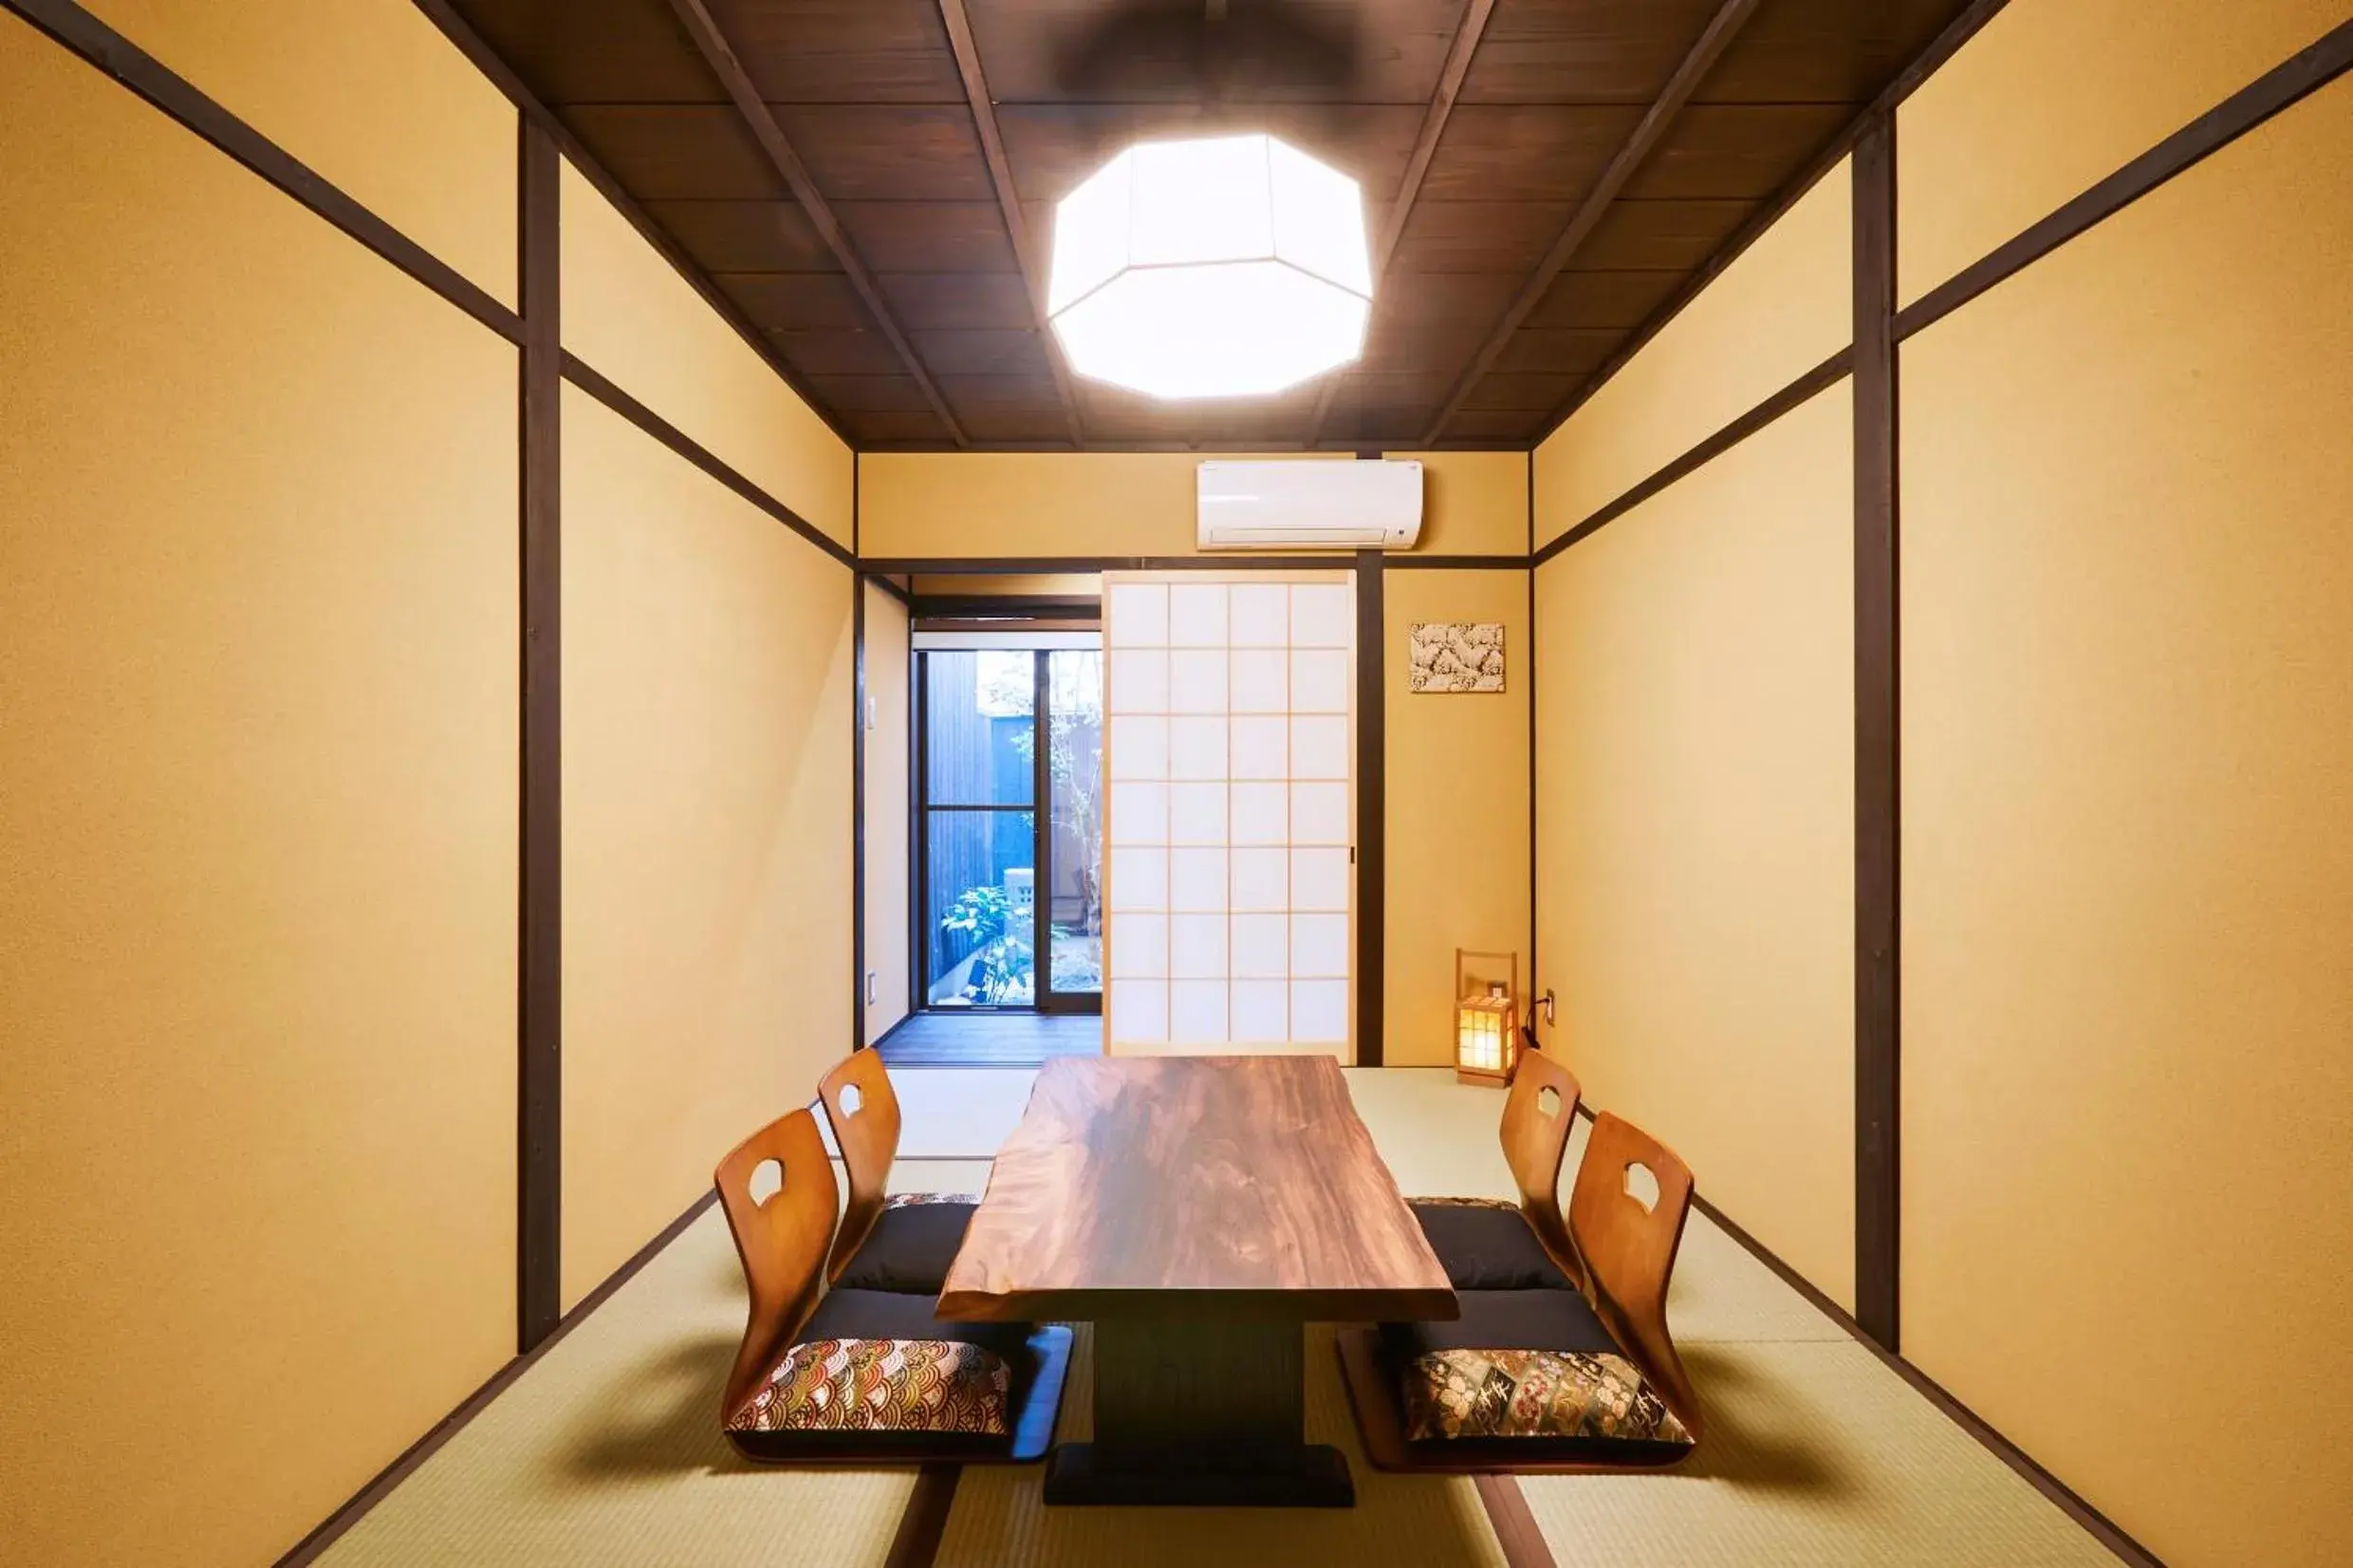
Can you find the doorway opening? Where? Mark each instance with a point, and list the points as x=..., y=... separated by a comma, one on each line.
x=1008, y=822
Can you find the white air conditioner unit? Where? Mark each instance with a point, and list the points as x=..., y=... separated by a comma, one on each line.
x=1307, y=504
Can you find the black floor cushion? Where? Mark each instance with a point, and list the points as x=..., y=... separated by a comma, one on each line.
x=846, y=1314
x=1507, y=1319
x=909, y=1248
x=1485, y=1249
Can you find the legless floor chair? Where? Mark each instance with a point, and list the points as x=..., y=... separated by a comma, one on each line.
x=902, y=1243
x=1541, y=1381
x=1487, y=1244
x=863, y=1377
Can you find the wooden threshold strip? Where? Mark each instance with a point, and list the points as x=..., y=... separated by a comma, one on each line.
x=335, y=1525
x=182, y=102
x=586, y=376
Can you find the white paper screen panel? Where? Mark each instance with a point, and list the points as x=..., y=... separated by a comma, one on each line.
x=1230, y=758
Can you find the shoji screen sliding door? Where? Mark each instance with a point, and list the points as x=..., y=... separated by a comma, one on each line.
x=1229, y=887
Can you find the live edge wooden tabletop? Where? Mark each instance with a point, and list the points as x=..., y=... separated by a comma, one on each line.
x=1202, y=1186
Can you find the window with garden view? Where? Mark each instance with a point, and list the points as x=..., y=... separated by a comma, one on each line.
x=1012, y=906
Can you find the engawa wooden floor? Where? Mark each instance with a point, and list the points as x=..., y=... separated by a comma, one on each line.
x=607, y=1450
x=982, y=1039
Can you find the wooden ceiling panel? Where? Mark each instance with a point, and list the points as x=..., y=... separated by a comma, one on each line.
x=1582, y=51
x=792, y=301
x=1374, y=424
x=842, y=51
x=1533, y=392
x=1478, y=237
x=897, y=432
x=971, y=301
x=1526, y=152
x=1148, y=51
x=929, y=236
x=895, y=153
x=1603, y=299
x=965, y=353
x=856, y=395
x=1718, y=152
x=838, y=351
x=745, y=236
x=596, y=52
x=1052, y=148
x=1667, y=235
x=894, y=290
x=1558, y=349
x=1823, y=51
x=678, y=152
x=1515, y=427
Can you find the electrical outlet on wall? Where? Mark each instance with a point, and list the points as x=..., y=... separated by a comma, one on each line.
x=871, y=711
x=870, y=988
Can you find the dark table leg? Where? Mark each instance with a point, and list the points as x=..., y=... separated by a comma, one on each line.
x=1196, y=1412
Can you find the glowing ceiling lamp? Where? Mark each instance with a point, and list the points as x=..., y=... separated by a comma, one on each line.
x=1210, y=268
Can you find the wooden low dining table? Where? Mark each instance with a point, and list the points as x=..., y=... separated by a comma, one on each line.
x=1199, y=1211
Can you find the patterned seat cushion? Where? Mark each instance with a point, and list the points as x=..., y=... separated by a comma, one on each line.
x=1451, y=1394
x=1534, y=1373
x=873, y=1372
x=1486, y=1244
x=913, y=1241
x=933, y=1386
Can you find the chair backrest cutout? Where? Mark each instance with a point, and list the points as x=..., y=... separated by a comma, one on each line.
x=862, y=1109
x=778, y=1191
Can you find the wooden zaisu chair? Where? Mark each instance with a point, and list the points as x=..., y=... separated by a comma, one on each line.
x=852, y=1375
x=1490, y=1243
x=1549, y=1380
x=894, y=1241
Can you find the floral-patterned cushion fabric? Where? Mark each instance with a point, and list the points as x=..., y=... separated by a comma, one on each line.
x=882, y=1386
x=1484, y=1393
x=909, y=1200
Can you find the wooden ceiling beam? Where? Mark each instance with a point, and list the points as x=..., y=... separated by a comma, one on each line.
x=1648, y=132
x=959, y=24
x=1466, y=35
x=720, y=56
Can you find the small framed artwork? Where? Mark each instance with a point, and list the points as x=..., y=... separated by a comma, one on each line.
x=1457, y=656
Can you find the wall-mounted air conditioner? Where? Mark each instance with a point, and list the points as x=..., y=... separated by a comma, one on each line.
x=1306, y=504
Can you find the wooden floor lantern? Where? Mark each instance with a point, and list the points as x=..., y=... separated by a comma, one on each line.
x=1487, y=1016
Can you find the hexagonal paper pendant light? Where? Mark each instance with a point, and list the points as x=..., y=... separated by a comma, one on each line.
x=1216, y=267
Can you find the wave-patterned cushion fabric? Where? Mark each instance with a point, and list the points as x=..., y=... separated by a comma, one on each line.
x=883, y=1386
x=1484, y=1393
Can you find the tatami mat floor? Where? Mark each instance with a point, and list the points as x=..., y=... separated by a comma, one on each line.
x=607, y=1450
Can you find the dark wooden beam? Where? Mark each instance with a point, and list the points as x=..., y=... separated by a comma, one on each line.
x=1722, y=440
x=2302, y=74
x=486, y=60
x=539, y=1143
x=959, y=24
x=1948, y=43
x=180, y=101
x=1372, y=806
x=594, y=383
x=720, y=56
x=1879, y=1058
x=1698, y=60
x=1466, y=35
